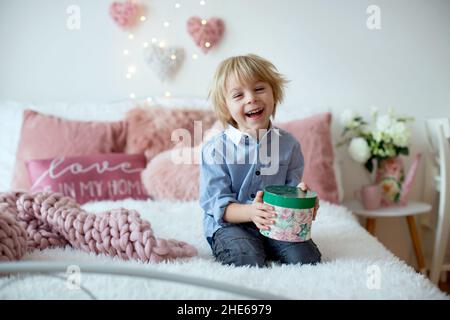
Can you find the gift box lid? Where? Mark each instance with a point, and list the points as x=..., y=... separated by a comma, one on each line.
x=289, y=197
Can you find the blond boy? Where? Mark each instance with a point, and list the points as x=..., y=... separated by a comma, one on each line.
x=240, y=161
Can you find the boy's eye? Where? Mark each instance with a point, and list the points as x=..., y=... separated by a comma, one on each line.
x=236, y=95
x=260, y=89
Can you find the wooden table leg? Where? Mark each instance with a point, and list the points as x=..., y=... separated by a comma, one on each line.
x=416, y=243
x=370, y=225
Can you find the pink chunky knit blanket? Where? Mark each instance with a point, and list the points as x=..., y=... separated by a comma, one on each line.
x=41, y=220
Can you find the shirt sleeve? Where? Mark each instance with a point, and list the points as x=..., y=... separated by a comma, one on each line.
x=296, y=166
x=215, y=185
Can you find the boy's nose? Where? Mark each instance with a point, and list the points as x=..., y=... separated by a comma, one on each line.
x=251, y=99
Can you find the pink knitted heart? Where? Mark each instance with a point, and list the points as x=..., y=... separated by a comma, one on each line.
x=205, y=35
x=124, y=14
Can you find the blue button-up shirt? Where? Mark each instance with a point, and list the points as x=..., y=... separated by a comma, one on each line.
x=234, y=166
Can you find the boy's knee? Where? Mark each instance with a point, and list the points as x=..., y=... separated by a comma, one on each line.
x=242, y=252
x=238, y=259
x=239, y=249
x=306, y=259
x=305, y=255
x=303, y=259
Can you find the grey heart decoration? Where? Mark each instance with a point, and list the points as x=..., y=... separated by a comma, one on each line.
x=165, y=61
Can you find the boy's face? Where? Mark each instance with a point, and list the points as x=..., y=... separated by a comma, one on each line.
x=250, y=103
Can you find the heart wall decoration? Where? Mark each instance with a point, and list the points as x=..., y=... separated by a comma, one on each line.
x=164, y=61
x=206, y=33
x=125, y=14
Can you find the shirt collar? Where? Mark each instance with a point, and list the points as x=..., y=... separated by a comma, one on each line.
x=237, y=136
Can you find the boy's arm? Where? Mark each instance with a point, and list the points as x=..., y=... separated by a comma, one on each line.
x=218, y=200
x=215, y=191
x=295, y=174
x=237, y=213
x=258, y=212
x=215, y=186
x=296, y=166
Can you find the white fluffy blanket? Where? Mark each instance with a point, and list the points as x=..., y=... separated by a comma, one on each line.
x=351, y=260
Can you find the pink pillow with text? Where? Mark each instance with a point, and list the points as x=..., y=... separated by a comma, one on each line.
x=90, y=178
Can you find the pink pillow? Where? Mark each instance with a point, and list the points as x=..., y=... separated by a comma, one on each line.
x=314, y=135
x=165, y=180
x=43, y=136
x=112, y=176
x=150, y=128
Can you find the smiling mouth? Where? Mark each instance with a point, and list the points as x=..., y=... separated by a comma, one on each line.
x=254, y=113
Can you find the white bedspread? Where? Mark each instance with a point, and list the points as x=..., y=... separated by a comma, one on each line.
x=351, y=257
x=351, y=260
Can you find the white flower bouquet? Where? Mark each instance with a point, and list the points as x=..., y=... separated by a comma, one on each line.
x=385, y=137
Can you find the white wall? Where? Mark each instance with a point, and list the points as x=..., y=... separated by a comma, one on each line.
x=324, y=48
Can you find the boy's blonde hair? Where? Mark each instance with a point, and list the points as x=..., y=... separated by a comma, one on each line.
x=244, y=68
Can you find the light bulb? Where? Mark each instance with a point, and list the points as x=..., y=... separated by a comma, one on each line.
x=173, y=57
x=125, y=52
x=194, y=56
x=203, y=21
x=162, y=44
x=128, y=76
x=145, y=44
x=207, y=44
x=177, y=5
x=166, y=24
x=131, y=69
x=167, y=94
x=131, y=36
x=202, y=3
x=132, y=95
x=143, y=18
x=154, y=40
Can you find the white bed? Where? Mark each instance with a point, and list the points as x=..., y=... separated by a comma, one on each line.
x=355, y=265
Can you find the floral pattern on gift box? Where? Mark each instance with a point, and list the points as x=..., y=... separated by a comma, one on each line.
x=292, y=225
x=284, y=235
x=286, y=213
x=305, y=229
x=303, y=216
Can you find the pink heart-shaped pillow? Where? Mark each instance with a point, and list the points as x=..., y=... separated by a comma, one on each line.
x=205, y=35
x=124, y=14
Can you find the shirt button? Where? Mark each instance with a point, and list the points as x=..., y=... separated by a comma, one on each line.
x=252, y=195
x=257, y=172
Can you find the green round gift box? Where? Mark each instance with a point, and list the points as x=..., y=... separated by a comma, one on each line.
x=289, y=197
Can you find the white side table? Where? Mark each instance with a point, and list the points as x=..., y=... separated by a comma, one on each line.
x=409, y=211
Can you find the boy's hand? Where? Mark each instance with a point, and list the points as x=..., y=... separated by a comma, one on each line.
x=304, y=187
x=260, y=213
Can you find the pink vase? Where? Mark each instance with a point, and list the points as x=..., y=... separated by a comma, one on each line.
x=370, y=196
x=390, y=177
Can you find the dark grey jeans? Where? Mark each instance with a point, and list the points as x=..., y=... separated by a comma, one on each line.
x=242, y=244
